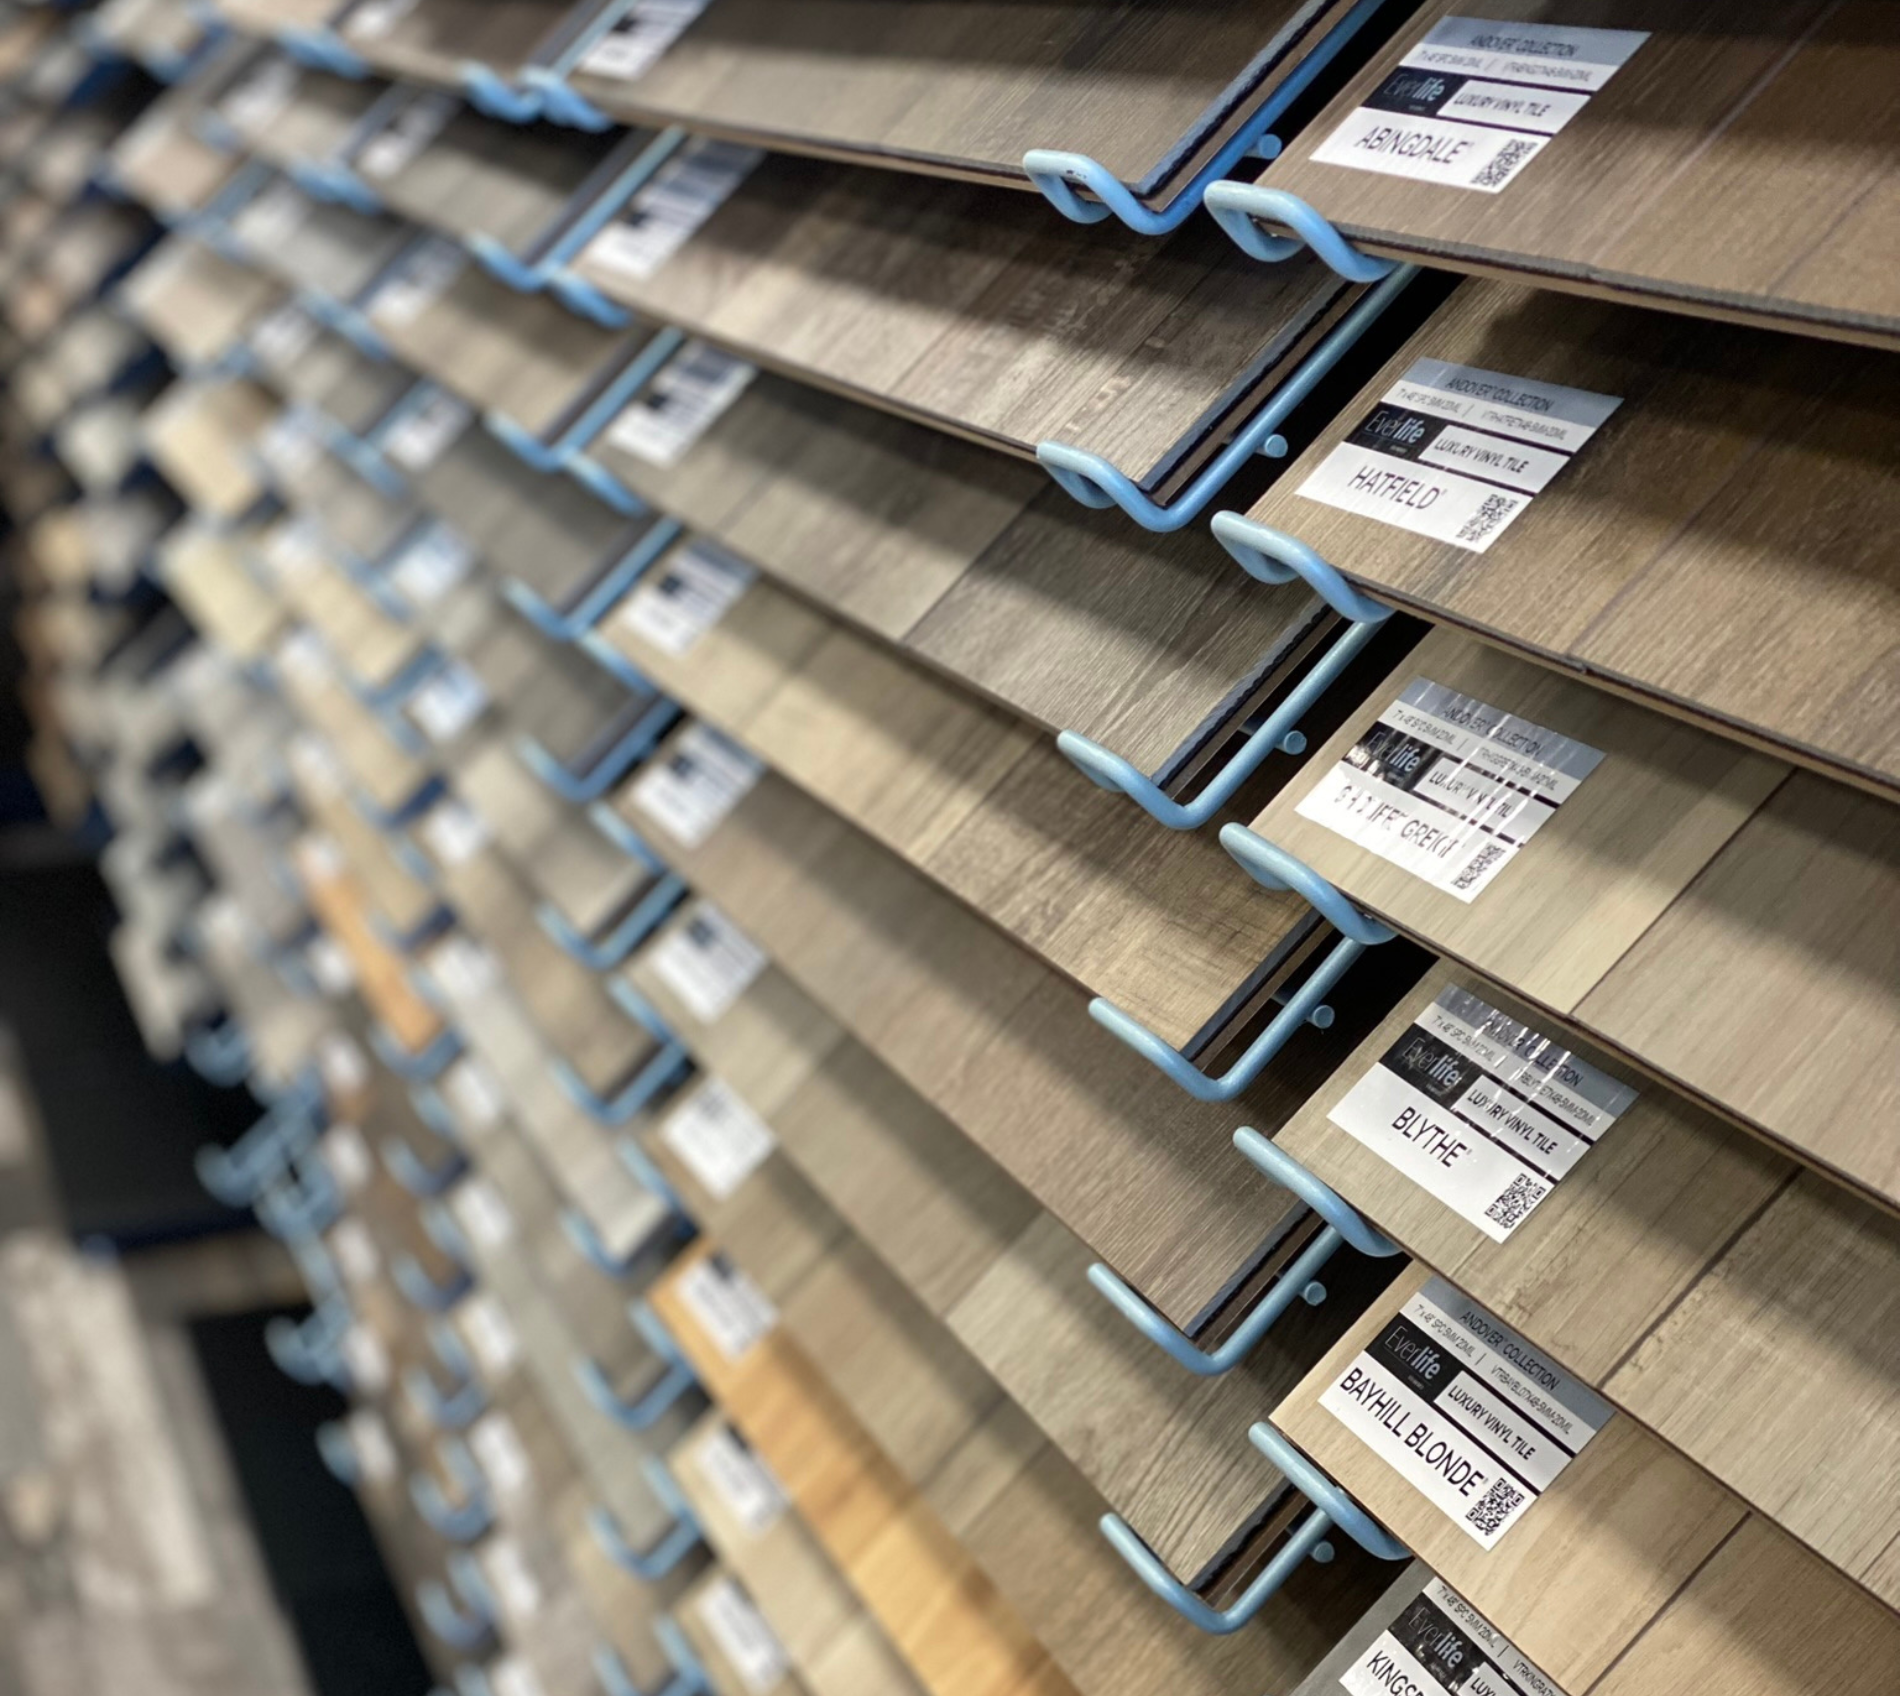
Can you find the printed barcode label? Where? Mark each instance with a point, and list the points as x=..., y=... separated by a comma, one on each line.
x=330, y=966
x=483, y=1214
x=464, y=968
x=452, y=700
x=708, y=962
x=421, y=277
x=1442, y=1646
x=681, y=404
x=1476, y=101
x=344, y=1067
x=648, y=29
x=473, y=1093
x=348, y=1157
x=284, y=336
x=740, y=1480
x=514, y=1584
x=365, y=1358
x=410, y=129
x=354, y=1250
x=491, y=1335
x=289, y=447
x=1465, y=1410
x=1448, y=787
x=375, y=18
x=743, y=1637
x=455, y=832
x=685, y=595
x=662, y=217
x=271, y=218
x=259, y=96
x=1482, y=1112
x=431, y=563
x=700, y=780
x=720, y=1139
x=300, y=656
x=727, y=1305
x=512, y=1676
x=370, y=1440
x=1457, y=453
x=497, y=1446
x=426, y=429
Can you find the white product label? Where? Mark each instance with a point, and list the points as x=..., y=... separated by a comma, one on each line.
x=410, y=129
x=473, y=1094
x=1442, y=1646
x=290, y=446
x=1465, y=1410
x=300, y=656
x=330, y=966
x=464, y=968
x=348, y=1157
x=702, y=778
x=744, y=1638
x=508, y=1574
x=271, y=218
x=727, y=1305
x=285, y=336
x=426, y=429
x=320, y=859
x=455, y=832
x=431, y=563
x=483, y=1214
x=740, y=1480
x=504, y=1461
x=376, y=18
x=1474, y=102
x=452, y=700
x=491, y=1335
x=1448, y=787
x=512, y=1676
x=681, y=404
x=662, y=217
x=374, y=1449
x=1482, y=1112
x=354, y=1251
x=1456, y=453
x=721, y=1140
x=259, y=96
x=366, y=1359
x=649, y=28
x=684, y=596
x=422, y=277
x=708, y=962
x=343, y=1065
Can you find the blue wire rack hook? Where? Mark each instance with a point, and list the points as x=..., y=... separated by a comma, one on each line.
x=666, y=1552
x=688, y=1676
x=673, y=1382
x=452, y=1625
x=1272, y=556
x=447, y=1410
x=465, y=1521
x=646, y=915
x=1241, y=208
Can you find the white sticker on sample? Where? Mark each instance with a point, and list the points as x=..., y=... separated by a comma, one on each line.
x=708, y=962
x=421, y=277
x=1442, y=1646
x=497, y=1445
x=343, y=1065
x=731, y=1309
x=348, y=1157
x=431, y=563
x=664, y=215
x=685, y=595
x=1448, y=787
x=410, y=129
x=740, y=1480
x=743, y=1636
x=452, y=700
x=471, y=1090
x=514, y=1584
x=455, y=832
x=512, y=1676
x=701, y=778
x=491, y=1335
x=639, y=37
x=426, y=429
x=354, y=1251
x=1466, y=1411
x=374, y=1449
x=1476, y=101
x=1480, y=1111
x=366, y=1359
x=690, y=394
x=479, y=1207
x=1457, y=453
x=720, y=1139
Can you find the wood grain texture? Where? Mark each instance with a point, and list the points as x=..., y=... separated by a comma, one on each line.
x=1730, y=121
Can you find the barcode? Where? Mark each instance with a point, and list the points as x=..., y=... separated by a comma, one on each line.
x=1504, y=166
x=408, y=133
x=683, y=194
x=1481, y=862
x=681, y=403
x=1500, y=1501
x=1515, y=1203
x=1488, y=517
x=629, y=49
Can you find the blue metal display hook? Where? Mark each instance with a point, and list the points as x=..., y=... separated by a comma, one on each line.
x=580, y=788
x=453, y=1626
x=324, y=50
x=1240, y=209
x=1275, y=557
x=488, y=93
x=570, y=626
x=304, y=1201
x=339, y=1453
x=644, y=1412
x=580, y=296
x=1299, y=1282
x=310, y=1350
x=667, y=1065
x=645, y=917
x=462, y=1522
x=667, y=1550
x=598, y=413
x=237, y=1175
x=689, y=1677
x=422, y=1291
x=424, y=1064
x=1279, y=734
x=220, y=1055
x=1273, y=868
x=416, y=1175
x=584, y=1238
x=1093, y=481
x=447, y=1410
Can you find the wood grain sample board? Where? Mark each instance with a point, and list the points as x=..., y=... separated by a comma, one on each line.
x=1736, y=163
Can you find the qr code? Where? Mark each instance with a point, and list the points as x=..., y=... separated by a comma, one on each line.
x=1524, y=1194
x=1496, y=509
x=1500, y=1501
x=1480, y=863
x=1501, y=169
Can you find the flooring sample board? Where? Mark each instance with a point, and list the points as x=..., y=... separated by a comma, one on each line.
x=290, y=115
x=167, y=165
x=1149, y=92
x=972, y=309
x=431, y=41
x=1723, y=159
x=1717, y=546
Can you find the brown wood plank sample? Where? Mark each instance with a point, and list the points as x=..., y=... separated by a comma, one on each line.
x=1733, y=166
x=1720, y=544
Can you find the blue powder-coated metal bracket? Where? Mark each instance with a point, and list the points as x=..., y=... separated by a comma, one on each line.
x=310, y=1350
x=338, y=1453
x=668, y=1064
x=471, y=1583
x=1241, y=208
x=612, y=661
x=598, y=413
x=566, y=247
x=221, y=1055
x=345, y=321
x=667, y=1551
x=572, y=625
x=322, y=49
x=586, y=1241
x=647, y=914
x=1272, y=556
x=688, y=1678
x=304, y=1201
x=583, y=298
x=237, y=1175
x=419, y=1067
x=423, y=1292
x=1320, y=1490
x=426, y=929
x=460, y=1522
x=447, y=1410
x=647, y=1409
x=424, y=1181
x=1299, y=1282
x=1272, y=868
x=490, y=94
x=581, y=788
x=454, y=1627
x=639, y=1166
x=1093, y=481
x=606, y=488
x=1279, y=734
x=559, y=103
x=406, y=812
x=335, y=183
